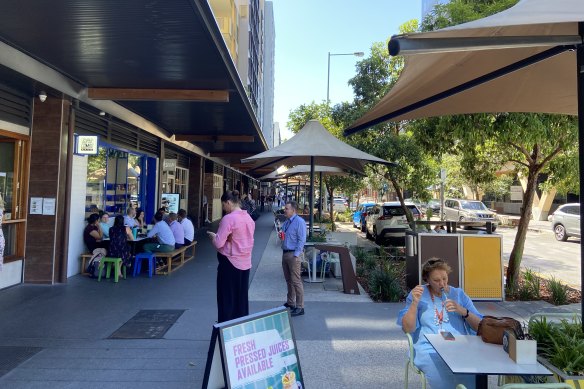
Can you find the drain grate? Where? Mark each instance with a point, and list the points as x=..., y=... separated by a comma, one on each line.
x=148, y=324
x=12, y=356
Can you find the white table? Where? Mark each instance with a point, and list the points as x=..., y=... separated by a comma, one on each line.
x=313, y=277
x=468, y=354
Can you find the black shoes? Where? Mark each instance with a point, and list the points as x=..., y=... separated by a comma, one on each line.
x=288, y=305
x=297, y=312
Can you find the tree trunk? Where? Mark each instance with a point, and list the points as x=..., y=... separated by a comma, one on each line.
x=330, y=191
x=400, y=197
x=525, y=216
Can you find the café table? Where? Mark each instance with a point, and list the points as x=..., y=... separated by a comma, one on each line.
x=312, y=263
x=468, y=354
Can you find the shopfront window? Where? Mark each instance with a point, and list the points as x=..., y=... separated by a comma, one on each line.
x=114, y=181
x=12, y=183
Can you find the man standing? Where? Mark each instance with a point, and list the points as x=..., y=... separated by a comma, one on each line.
x=294, y=230
x=187, y=225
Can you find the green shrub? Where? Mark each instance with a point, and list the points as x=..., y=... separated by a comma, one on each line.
x=558, y=291
x=346, y=216
x=384, y=286
x=560, y=343
x=360, y=254
x=532, y=282
x=370, y=263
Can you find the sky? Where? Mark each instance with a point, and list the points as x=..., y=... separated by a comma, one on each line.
x=307, y=30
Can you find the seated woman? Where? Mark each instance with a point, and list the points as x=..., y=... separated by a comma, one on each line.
x=93, y=235
x=104, y=224
x=140, y=215
x=119, y=237
x=436, y=307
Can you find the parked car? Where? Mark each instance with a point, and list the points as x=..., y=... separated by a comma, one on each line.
x=566, y=221
x=360, y=214
x=388, y=221
x=434, y=205
x=339, y=204
x=468, y=211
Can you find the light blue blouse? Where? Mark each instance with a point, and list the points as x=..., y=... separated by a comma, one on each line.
x=426, y=358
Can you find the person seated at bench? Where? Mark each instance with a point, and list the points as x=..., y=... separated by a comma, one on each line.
x=119, y=237
x=104, y=223
x=187, y=226
x=93, y=235
x=129, y=219
x=177, y=230
x=163, y=234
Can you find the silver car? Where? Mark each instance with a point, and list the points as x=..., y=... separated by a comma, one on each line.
x=566, y=221
x=468, y=211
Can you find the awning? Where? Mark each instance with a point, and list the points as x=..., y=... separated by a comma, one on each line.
x=526, y=51
x=168, y=56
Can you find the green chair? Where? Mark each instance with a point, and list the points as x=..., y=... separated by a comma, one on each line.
x=117, y=264
x=410, y=364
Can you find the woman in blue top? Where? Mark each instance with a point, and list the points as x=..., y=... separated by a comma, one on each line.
x=436, y=307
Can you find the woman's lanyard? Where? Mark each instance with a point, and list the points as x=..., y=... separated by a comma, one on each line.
x=439, y=317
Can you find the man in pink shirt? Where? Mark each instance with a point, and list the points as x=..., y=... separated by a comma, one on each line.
x=234, y=244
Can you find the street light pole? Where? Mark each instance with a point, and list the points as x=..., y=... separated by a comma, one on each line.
x=328, y=76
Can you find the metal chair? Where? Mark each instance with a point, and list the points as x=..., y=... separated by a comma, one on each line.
x=410, y=364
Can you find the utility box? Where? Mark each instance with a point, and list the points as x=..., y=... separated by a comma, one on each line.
x=476, y=261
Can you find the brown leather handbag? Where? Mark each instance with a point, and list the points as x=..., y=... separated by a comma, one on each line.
x=491, y=328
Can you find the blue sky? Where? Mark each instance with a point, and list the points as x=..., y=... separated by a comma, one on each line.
x=306, y=30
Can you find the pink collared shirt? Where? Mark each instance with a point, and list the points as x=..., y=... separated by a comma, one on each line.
x=234, y=238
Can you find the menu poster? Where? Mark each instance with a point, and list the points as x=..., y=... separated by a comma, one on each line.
x=36, y=206
x=49, y=206
x=257, y=352
x=171, y=201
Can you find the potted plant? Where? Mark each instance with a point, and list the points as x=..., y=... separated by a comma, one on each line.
x=560, y=347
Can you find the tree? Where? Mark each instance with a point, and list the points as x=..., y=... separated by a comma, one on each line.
x=535, y=143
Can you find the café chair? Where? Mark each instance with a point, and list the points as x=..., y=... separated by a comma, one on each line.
x=410, y=364
x=117, y=267
x=138, y=264
x=327, y=260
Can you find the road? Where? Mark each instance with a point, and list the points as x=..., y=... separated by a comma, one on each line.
x=545, y=255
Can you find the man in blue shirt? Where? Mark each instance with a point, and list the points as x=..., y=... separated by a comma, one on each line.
x=294, y=230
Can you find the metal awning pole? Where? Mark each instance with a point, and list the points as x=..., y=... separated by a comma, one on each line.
x=580, y=97
x=311, y=207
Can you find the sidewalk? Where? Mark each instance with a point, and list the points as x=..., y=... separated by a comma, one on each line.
x=57, y=336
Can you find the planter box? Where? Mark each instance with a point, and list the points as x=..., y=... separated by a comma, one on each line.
x=576, y=381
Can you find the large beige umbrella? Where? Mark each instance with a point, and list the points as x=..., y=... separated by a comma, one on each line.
x=519, y=60
x=529, y=58
x=314, y=145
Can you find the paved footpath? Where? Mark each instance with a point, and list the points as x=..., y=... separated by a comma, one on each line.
x=344, y=341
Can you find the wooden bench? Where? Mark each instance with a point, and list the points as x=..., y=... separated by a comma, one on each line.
x=84, y=262
x=174, y=259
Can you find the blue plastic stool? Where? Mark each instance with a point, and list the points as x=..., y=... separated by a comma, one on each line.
x=138, y=264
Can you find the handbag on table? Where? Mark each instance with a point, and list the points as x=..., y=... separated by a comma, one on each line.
x=491, y=329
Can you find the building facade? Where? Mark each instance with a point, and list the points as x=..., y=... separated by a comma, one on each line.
x=269, y=75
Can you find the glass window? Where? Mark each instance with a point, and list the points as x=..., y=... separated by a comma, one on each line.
x=113, y=181
x=12, y=177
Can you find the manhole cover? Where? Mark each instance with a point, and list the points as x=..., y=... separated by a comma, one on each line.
x=12, y=356
x=148, y=324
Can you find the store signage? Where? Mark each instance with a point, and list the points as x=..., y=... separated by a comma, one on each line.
x=516, y=192
x=169, y=165
x=86, y=144
x=255, y=351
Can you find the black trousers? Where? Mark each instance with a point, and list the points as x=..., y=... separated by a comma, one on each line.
x=232, y=286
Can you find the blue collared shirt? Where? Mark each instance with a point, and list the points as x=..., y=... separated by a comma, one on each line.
x=295, y=234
